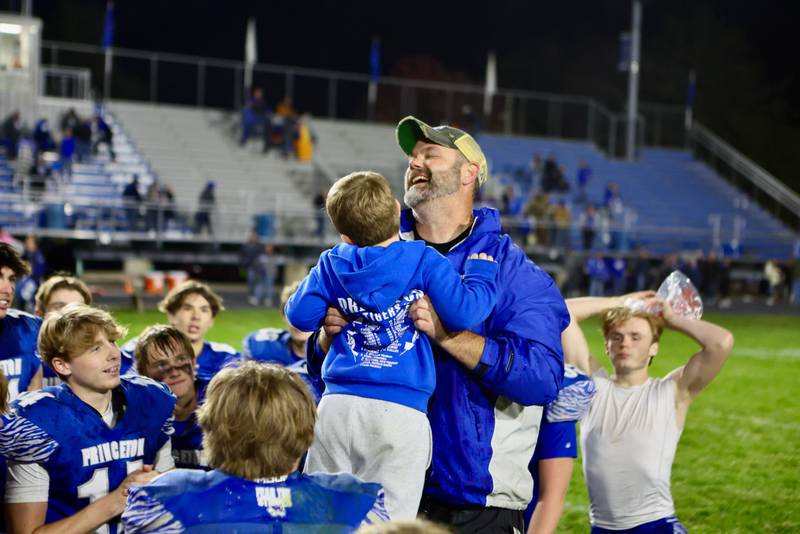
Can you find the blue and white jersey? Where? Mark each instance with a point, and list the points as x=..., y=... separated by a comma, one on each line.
x=210, y=360
x=19, y=357
x=269, y=345
x=83, y=457
x=574, y=398
x=195, y=501
x=187, y=440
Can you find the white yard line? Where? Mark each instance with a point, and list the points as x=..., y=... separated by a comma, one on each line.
x=786, y=353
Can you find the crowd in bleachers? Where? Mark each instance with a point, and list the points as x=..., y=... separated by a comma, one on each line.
x=282, y=129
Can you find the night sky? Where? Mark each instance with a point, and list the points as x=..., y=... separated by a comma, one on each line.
x=744, y=52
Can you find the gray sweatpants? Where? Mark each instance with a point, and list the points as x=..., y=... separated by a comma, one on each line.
x=378, y=441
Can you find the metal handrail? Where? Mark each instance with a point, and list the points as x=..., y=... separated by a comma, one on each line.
x=762, y=179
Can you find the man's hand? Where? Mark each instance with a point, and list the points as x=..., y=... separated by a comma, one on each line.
x=426, y=320
x=636, y=295
x=331, y=327
x=481, y=256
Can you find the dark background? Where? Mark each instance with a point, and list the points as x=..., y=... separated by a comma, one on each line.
x=744, y=52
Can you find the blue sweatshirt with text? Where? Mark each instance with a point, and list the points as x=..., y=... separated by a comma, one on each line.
x=379, y=354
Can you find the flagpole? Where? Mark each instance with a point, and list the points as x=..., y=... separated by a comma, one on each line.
x=375, y=74
x=108, y=41
x=107, y=76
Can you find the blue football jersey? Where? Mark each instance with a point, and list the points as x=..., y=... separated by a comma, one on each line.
x=211, y=359
x=196, y=501
x=574, y=398
x=19, y=357
x=269, y=345
x=84, y=458
x=187, y=440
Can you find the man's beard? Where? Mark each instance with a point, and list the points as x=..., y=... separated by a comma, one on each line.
x=440, y=184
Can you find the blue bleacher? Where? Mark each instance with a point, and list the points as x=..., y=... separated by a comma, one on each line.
x=667, y=188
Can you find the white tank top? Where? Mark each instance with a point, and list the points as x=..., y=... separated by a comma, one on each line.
x=629, y=437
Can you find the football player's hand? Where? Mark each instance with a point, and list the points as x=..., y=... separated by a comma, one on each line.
x=637, y=295
x=331, y=326
x=426, y=320
x=140, y=476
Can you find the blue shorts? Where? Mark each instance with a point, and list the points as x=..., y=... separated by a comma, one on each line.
x=667, y=525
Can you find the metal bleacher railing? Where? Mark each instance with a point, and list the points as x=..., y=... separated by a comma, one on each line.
x=764, y=188
x=162, y=78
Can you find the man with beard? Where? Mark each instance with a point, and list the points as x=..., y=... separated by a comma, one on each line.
x=492, y=381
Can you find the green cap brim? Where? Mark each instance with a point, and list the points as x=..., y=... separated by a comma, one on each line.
x=411, y=129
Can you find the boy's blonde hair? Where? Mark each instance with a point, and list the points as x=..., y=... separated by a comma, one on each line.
x=60, y=281
x=174, y=299
x=362, y=207
x=72, y=331
x=257, y=420
x=287, y=292
x=616, y=316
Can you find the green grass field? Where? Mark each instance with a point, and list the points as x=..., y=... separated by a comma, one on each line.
x=738, y=464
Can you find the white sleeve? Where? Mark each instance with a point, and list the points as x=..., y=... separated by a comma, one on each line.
x=164, y=460
x=27, y=483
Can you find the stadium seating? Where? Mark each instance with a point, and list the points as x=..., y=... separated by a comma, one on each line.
x=672, y=194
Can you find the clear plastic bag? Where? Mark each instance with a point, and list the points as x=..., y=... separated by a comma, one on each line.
x=681, y=294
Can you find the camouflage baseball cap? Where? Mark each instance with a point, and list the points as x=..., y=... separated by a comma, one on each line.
x=411, y=129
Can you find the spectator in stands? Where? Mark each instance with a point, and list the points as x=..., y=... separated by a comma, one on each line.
x=27, y=286
x=582, y=182
x=618, y=269
x=154, y=208
x=165, y=354
x=258, y=421
x=553, y=176
x=132, y=201
x=249, y=256
x=69, y=119
x=205, y=206
x=541, y=210
x=284, y=123
x=254, y=118
x=66, y=153
x=105, y=136
x=598, y=273
x=306, y=139
x=775, y=280
x=43, y=137
x=83, y=140
x=167, y=200
x=641, y=271
x=8, y=239
x=537, y=171
x=508, y=200
x=588, y=225
x=562, y=225
x=9, y=134
x=611, y=195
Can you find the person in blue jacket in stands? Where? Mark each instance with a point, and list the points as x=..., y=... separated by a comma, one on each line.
x=379, y=374
x=491, y=380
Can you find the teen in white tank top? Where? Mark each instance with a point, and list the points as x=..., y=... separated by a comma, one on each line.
x=629, y=438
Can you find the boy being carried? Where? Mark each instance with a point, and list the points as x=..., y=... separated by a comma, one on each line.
x=379, y=373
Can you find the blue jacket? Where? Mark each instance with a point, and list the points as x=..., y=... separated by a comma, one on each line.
x=485, y=420
x=379, y=354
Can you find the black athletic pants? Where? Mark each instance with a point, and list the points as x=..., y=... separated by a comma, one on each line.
x=473, y=519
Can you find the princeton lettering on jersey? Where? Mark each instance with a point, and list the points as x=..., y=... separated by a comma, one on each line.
x=11, y=366
x=275, y=500
x=351, y=307
x=112, y=450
